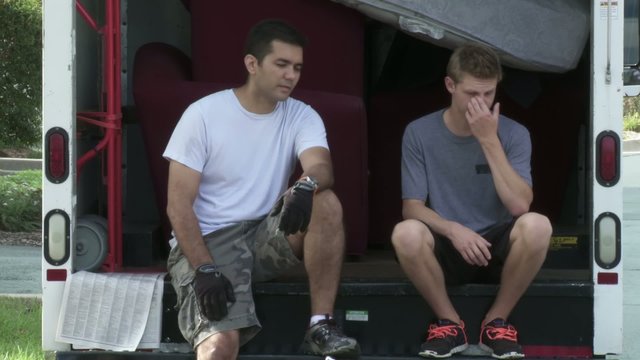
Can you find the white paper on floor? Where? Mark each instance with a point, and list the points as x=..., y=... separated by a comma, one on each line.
x=112, y=311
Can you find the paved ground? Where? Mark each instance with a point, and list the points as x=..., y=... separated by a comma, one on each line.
x=20, y=270
x=631, y=169
x=10, y=166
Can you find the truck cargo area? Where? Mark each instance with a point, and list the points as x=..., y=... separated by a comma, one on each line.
x=367, y=79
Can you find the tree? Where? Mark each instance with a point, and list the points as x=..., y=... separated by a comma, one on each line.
x=20, y=71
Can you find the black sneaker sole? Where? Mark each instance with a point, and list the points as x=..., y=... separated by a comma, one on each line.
x=345, y=353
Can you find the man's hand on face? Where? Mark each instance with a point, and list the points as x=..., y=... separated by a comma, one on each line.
x=482, y=120
x=296, y=205
x=213, y=291
x=473, y=247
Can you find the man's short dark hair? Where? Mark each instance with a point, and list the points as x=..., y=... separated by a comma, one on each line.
x=263, y=33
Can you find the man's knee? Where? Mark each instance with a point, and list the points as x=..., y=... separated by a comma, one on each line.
x=220, y=346
x=408, y=236
x=536, y=230
x=327, y=208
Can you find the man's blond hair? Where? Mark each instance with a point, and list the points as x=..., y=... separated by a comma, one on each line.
x=475, y=60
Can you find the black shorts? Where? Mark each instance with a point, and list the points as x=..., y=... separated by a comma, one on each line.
x=457, y=271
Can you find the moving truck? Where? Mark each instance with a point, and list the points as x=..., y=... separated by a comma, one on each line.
x=117, y=75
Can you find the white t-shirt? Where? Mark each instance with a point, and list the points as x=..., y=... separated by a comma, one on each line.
x=245, y=159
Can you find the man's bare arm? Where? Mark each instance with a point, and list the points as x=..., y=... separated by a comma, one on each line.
x=316, y=163
x=184, y=183
x=514, y=192
x=471, y=246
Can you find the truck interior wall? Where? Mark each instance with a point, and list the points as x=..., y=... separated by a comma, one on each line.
x=87, y=59
x=88, y=94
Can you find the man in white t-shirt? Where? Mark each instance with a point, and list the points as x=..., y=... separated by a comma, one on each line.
x=231, y=156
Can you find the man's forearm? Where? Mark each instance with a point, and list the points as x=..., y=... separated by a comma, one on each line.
x=188, y=234
x=414, y=209
x=323, y=174
x=514, y=192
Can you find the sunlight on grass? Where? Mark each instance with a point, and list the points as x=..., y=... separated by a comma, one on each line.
x=21, y=354
x=21, y=201
x=20, y=322
x=632, y=122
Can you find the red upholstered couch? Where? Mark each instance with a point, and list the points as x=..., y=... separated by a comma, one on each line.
x=166, y=81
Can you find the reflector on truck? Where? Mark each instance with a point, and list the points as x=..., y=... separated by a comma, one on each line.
x=607, y=240
x=56, y=237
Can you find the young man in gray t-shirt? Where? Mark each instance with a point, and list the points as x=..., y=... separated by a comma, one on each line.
x=466, y=190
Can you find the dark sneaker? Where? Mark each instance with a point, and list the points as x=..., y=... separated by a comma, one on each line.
x=445, y=338
x=325, y=338
x=501, y=340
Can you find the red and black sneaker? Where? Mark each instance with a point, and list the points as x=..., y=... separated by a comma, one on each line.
x=500, y=339
x=445, y=338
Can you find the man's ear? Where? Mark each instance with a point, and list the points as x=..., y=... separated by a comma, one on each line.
x=251, y=63
x=449, y=84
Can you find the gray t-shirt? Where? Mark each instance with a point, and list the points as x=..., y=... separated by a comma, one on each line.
x=452, y=175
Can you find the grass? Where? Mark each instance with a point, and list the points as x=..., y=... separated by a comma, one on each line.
x=20, y=322
x=632, y=122
x=21, y=201
x=631, y=117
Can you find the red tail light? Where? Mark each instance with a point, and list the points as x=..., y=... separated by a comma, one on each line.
x=608, y=158
x=57, y=155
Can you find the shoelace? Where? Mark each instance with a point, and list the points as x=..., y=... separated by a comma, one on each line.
x=441, y=332
x=327, y=331
x=325, y=334
x=502, y=333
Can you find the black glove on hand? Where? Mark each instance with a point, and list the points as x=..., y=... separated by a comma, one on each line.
x=213, y=291
x=296, y=206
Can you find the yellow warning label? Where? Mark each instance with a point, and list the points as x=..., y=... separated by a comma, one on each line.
x=563, y=242
x=605, y=10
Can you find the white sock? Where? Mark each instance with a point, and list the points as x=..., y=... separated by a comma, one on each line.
x=315, y=318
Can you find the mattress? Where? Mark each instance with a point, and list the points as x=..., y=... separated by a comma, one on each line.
x=537, y=35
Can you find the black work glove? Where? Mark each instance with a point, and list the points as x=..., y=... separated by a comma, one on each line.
x=296, y=206
x=213, y=291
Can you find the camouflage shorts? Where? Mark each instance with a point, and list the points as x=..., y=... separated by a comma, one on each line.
x=246, y=252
